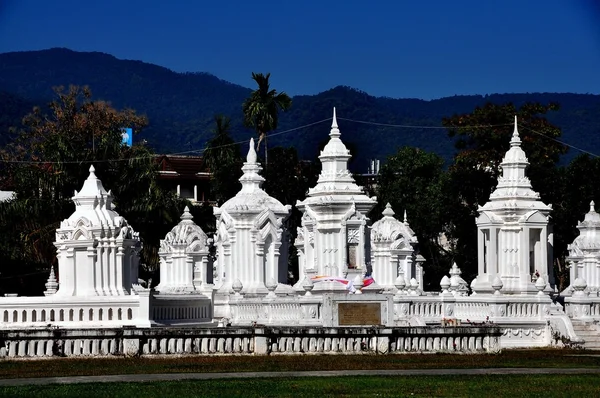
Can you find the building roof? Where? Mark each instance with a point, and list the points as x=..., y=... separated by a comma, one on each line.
x=175, y=166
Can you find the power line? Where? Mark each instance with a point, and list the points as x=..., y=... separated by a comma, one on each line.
x=405, y=126
x=560, y=142
x=202, y=150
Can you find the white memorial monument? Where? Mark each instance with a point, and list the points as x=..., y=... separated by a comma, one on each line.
x=514, y=237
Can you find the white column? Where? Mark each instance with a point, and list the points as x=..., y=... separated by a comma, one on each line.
x=480, y=252
x=119, y=270
x=544, y=253
x=98, y=269
x=195, y=192
x=493, y=251
x=106, y=275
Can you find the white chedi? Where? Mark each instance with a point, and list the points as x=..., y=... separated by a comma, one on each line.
x=458, y=286
x=184, y=262
x=333, y=238
x=584, y=253
x=249, y=239
x=97, y=250
x=393, y=250
x=514, y=237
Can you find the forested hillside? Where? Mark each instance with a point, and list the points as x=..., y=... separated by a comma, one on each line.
x=181, y=106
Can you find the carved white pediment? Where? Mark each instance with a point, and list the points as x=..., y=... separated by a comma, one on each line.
x=185, y=233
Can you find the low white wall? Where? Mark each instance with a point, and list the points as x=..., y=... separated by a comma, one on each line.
x=32, y=343
x=19, y=312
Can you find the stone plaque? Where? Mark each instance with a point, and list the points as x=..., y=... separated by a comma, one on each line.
x=352, y=314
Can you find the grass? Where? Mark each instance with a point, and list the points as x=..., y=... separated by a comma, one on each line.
x=547, y=358
x=417, y=386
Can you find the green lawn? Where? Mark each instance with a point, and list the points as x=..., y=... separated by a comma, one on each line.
x=547, y=358
x=418, y=386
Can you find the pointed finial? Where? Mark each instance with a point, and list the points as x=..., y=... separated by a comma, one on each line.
x=388, y=211
x=405, y=218
x=334, y=124
x=51, y=284
x=186, y=214
x=516, y=140
x=335, y=131
x=92, y=172
x=592, y=208
x=251, y=158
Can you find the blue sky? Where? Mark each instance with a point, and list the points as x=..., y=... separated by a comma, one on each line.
x=417, y=49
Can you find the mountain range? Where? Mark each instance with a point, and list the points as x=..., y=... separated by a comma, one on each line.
x=181, y=107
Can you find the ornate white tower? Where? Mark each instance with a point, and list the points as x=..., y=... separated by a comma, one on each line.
x=584, y=252
x=249, y=235
x=514, y=239
x=184, y=259
x=334, y=237
x=393, y=251
x=98, y=252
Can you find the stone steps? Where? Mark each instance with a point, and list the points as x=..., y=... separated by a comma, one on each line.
x=589, y=332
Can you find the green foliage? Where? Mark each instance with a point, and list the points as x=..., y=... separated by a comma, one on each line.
x=181, y=107
x=414, y=181
x=574, y=190
x=261, y=109
x=50, y=159
x=223, y=158
x=288, y=181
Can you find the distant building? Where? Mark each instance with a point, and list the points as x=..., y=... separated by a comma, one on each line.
x=188, y=176
x=369, y=179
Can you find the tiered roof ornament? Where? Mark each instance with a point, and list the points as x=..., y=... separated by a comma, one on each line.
x=251, y=197
x=514, y=190
x=335, y=178
x=390, y=229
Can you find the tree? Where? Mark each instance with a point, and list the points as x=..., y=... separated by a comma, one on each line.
x=223, y=158
x=575, y=190
x=482, y=138
x=261, y=109
x=50, y=159
x=414, y=181
x=289, y=182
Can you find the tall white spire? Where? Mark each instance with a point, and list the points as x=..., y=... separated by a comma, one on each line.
x=251, y=180
x=335, y=131
x=513, y=184
x=516, y=140
x=251, y=157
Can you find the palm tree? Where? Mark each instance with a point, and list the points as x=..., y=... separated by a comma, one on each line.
x=261, y=109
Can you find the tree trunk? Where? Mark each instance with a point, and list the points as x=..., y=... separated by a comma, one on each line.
x=262, y=136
